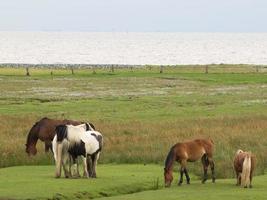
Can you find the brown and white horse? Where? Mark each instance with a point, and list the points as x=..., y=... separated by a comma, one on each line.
x=45, y=131
x=244, y=165
x=190, y=151
x=73, y=141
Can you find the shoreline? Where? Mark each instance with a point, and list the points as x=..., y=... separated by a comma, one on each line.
x=69, y=65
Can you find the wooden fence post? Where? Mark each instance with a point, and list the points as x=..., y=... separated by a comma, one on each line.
x=206, y=69
x=161, y=69
x=27, y=71
x=52, y=75
x=257, y=68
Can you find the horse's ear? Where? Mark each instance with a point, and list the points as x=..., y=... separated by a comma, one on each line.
x=92, y=125
x=87, y=127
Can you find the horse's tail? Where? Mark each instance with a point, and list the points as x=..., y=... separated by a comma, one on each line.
x=100, y=141
x=54, y=147
x=61, y=132
x=246, y=168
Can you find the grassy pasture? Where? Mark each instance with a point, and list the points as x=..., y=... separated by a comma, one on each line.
x=141, y=112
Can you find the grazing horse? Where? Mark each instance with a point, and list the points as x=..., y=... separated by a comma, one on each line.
x=73, y=141
x=45, y=131
x=189, y=151
x=244, y=165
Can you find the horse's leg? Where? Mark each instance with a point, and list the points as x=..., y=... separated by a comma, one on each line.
x=48, y=146
x=78, y=171
x=237, y=178
x=205, y=163
x=65, y=159
x=85, y=168
x=212, y=167
x=76, y=167
x=59, y=147
x=89, y=165
x=187, y=176
x=97, y=157
x=183, y=164
x=70, y=164
x=94, y=161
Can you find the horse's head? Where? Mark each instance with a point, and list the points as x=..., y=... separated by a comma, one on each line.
x=31, y=150
x=168, y=177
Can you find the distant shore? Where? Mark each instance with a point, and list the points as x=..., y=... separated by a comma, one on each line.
x=66, y=65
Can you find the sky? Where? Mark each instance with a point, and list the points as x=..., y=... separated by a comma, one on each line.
x=134, y=15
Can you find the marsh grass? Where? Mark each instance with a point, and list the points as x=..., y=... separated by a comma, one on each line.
x=141, y=113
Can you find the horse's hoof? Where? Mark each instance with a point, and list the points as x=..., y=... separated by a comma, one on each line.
x=250, y=186
x=179, y=184
x=188, y=183
x=68, y=176
x=93, y=175
x=86, y=176
x=57, y=176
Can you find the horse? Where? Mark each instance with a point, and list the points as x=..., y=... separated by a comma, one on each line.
x=73, y=141
x=244, y=165
x=189, y=151
x=45, y=131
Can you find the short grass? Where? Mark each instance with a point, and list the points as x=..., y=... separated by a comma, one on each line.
x=118, y=182
x=38, y=182
x=221, y=190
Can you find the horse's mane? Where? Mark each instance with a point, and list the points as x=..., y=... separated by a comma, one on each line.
x=32, y=133
x=92, y=125
x=170, y=158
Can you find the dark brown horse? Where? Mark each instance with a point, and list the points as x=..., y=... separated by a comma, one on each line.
x=189, y=151
x=244, y=164
x=45, y=131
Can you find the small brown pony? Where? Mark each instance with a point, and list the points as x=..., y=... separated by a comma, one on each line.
x=244, y=164
x=189, y=151
x=45, y=131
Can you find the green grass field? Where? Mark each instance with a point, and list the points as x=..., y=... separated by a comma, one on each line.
x=118, y=182
x=141, y=114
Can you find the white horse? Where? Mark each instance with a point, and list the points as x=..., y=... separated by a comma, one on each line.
x=74, y=141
